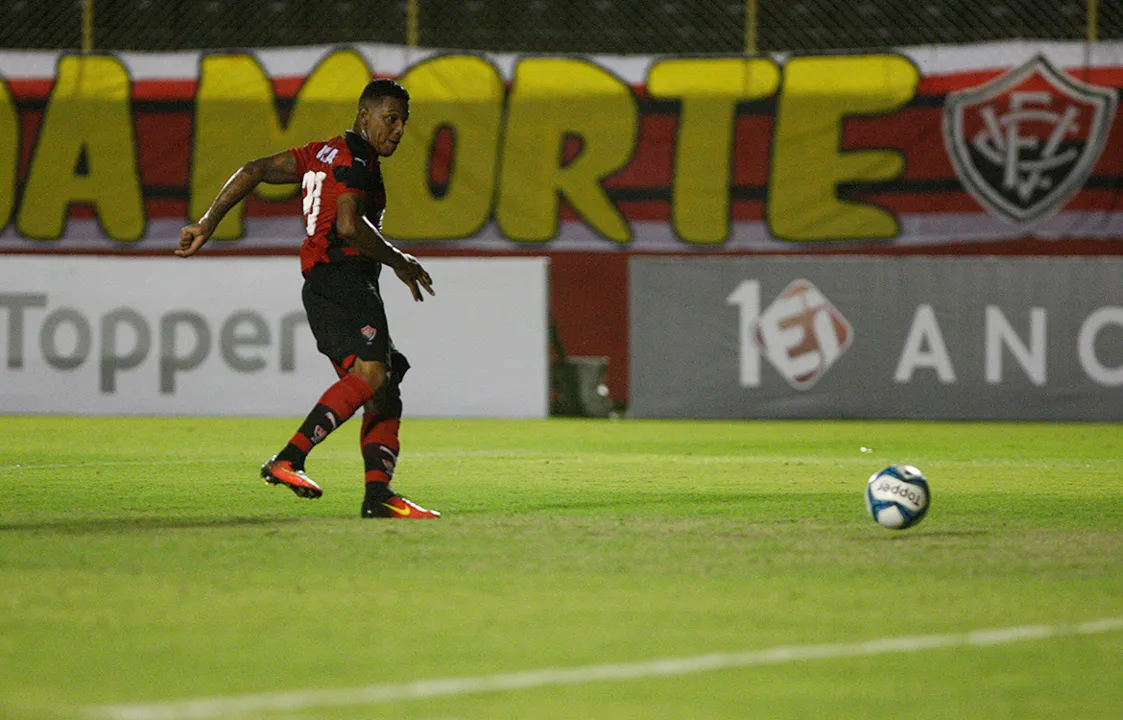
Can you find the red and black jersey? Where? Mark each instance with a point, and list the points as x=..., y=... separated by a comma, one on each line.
x=344, y=164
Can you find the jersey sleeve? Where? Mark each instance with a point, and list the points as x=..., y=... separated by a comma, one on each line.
x=351, y=176
x=303, y=155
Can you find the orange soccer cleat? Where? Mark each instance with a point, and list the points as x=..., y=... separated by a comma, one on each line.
x=396, y=507
x=281, y=472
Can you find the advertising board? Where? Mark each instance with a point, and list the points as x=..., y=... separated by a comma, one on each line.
x=217, y=336
x=875, y=337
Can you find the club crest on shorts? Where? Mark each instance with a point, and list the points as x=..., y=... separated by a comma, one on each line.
x=369, y=332
x=1024, y=143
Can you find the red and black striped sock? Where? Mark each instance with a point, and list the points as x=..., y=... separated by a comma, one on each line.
x=335, y=407
x=380, y=446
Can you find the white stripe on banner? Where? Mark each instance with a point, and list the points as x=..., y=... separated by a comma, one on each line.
x=218, y=707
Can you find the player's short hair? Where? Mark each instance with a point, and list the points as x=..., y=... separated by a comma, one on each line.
x=381, y=88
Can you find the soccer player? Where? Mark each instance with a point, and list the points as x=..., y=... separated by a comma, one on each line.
x=341, y=258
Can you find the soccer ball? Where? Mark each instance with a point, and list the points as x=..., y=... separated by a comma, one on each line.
x=897, y=497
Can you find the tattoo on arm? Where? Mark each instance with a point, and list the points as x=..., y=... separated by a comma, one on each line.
x=279, y=169
x=275, y=169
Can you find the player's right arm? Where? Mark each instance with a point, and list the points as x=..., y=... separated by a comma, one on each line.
x=359, y=233
x=275, y=169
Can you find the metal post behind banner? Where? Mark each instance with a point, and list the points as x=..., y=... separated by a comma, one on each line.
x=87, y=26
x=413, y=30
x=750, y=27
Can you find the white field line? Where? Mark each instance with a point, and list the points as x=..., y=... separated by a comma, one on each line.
x=220, y=707
x=255, y=463
x=694, y=459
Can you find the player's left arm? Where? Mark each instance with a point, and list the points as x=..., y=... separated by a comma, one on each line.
x=275, y=169
x=360, y=233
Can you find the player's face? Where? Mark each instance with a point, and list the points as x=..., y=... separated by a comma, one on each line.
x=382, y=124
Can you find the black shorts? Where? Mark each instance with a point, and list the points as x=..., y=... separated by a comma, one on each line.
x=347, y=317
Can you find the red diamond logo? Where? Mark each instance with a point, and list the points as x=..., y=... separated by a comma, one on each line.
x=802, y=334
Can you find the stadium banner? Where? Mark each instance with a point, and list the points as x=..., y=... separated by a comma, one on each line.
x=874, y=337
x=1003, y=147
x=228, y=336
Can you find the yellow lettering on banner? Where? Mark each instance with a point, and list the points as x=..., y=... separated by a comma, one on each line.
x=709, y=90
x=85, y=153
x=462, y=94
x=9, y=153
x=236, y=120
x=553, y=100
x=807, y=165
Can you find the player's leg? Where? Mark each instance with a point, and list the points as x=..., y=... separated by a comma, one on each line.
x=337, y=300
x=378, y=437
x=382, y=418
x=338, y=403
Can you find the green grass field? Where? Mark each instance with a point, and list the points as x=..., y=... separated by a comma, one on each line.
x=146, y=574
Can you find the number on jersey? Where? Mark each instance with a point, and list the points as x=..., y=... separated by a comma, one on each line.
x=313, y=185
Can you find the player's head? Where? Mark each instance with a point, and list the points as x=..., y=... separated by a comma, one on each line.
x=381, y=118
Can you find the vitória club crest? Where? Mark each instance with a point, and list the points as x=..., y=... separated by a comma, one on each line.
x=1025, y=142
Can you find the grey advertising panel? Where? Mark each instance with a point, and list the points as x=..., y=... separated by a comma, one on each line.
x=876, y=337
